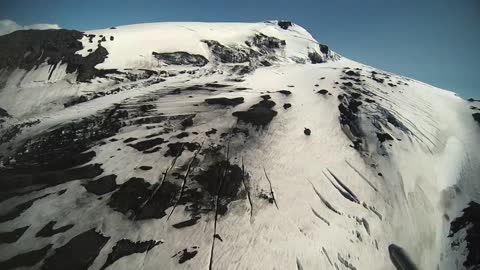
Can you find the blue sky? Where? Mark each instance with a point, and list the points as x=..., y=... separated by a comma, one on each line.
x=435, y=41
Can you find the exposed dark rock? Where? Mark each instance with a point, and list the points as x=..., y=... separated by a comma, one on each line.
x=384, y=137
x=352, y=73
x=125, y=248
x=138, y=200
x=266, y=97
x=287, y=105
x=392, y=85
x=224, y=180
x=48, y=229
x=181, y=58
x=56, y=157
x=182, y=135
x=78, y=253
x=188, y=122
x=129, y=140
x=322, y=92
x=4, y=113
x=324, y=49
x=210, y=132
x=228, y=54
x=470, y=221
x=19, y=209
x=476, y=117
x=266, y=43
x=400, y=258
x=285, y=92
x=176, y=149
x=307, y=131
x=346, y=263
x=225, y=101
x=349, y=119
x=13, y=236
x=145, y=168
x=259, y=114
x=186, y=254
x=186, y=223
x=315, y=58
x=25, y=259
x=215, y=85
x=102, y=185
x=284, y=24
x=147, y=144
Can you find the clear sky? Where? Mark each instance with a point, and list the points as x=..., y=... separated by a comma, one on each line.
x=435, y=41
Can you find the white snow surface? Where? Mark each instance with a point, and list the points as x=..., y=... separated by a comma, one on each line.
x=425, y=175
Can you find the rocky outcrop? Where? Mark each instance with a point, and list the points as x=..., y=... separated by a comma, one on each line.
x=181, y=58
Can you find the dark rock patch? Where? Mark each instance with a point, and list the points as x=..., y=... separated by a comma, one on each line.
x=138, y=200
x=19, y=209
x=224, y=101
x=349, y=119
x=182, y=135
x=324, y=49
x=400, y=258
x=259, y=114
x=476, y=117
x=4, y=113
x=210, y=132
x=26, y=259
x=469, y=220
x=145, y=168
x=176, y=149
x=215, y=85
x=147, y=144
x=285, y=92
x=188, y=122
x=129, y=140
x=186, y=223
x=48, y=229
x=181, y=58
x=265, y=97
x=13, y=236
x=78, y=253
x=287, y=105
x=27, y=49
x=307, y=131
x=322, y=92
x=315, y=58
x=228, y=54
x=186, y=254
x=102, y=185
x=368, y=100
x=384, y=137
x=125, y=248
x=352, y=73
x=56, y=157
x=284, y=24
x=224, y=180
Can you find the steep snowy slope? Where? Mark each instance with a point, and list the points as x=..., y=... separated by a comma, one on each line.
x=227, y=146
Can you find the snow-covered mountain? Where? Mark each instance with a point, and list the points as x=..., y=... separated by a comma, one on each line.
x=227, y=146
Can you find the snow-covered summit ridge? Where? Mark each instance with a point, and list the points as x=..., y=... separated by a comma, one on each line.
x=132, y=45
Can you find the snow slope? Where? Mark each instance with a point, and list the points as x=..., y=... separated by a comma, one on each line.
x=209, y=166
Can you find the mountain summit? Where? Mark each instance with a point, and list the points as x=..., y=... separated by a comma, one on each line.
x=227, y=146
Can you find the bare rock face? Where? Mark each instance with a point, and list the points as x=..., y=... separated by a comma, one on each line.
x=27, y=49
x=181, y=58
